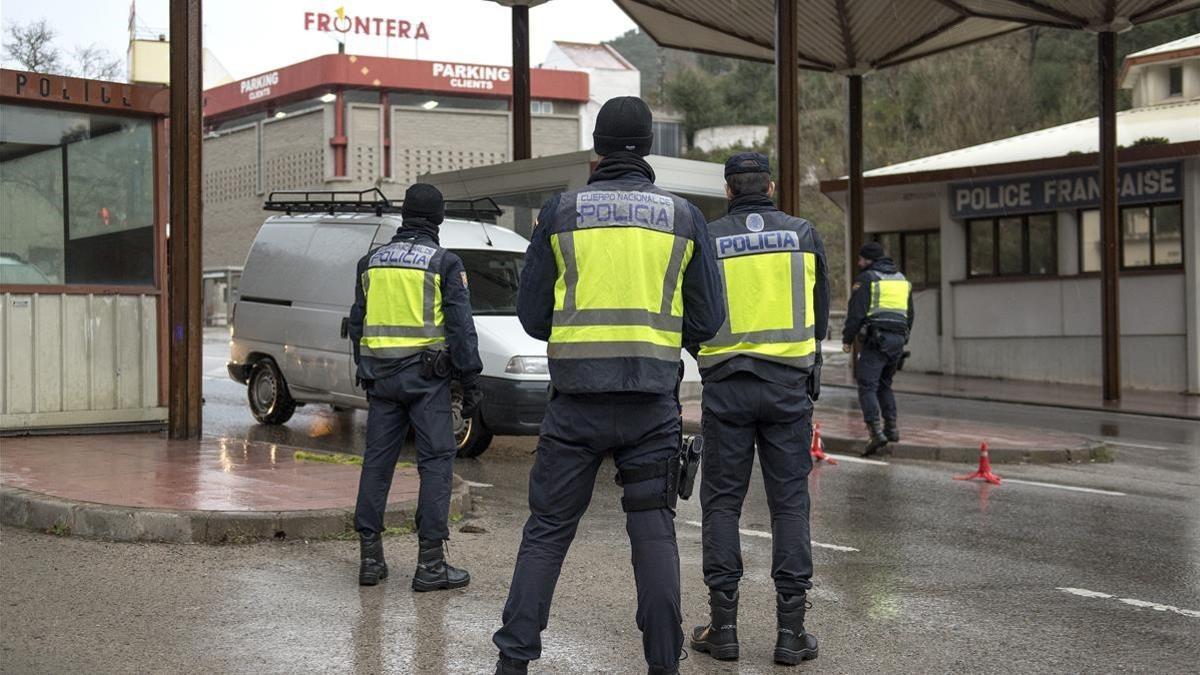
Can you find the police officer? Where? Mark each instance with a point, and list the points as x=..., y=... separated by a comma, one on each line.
x=412, y=329
x=619, y=276
x=760, y=374
x=881, y=312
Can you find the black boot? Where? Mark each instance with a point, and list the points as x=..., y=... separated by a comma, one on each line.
x=372, y=569
x=507, y=666
x=433, y=574
x=794, y=644
x=877, y=439
x=719, y=637
x=660, y=670
x=890, y=430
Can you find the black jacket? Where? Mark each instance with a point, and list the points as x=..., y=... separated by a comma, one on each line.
x=810, y=241
x=860, y=299
x=461, y=340
x=703, y=311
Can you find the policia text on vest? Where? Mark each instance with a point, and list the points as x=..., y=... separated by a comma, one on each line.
x=618, y=277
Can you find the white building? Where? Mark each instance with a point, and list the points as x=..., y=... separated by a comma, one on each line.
x=1002, y=241
x=609, y=75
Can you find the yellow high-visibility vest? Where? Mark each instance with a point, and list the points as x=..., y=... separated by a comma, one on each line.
x=620, y=274
x=769, y=287
x=404, y=301
x=889, y=299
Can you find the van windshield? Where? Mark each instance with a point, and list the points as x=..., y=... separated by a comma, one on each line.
x=493, y=278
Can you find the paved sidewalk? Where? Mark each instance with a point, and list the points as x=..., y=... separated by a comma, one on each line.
x=950, y=440
x=1075, y=396
x=142, y=487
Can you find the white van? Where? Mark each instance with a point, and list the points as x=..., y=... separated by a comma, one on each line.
x=289, y=341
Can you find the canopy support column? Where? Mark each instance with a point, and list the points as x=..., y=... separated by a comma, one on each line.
x=1110, y=317
x=521, y=99
x=184, y=283
x=787, y=101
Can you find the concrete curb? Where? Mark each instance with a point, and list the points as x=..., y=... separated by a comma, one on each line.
x=38, y=511
x=1086, y=451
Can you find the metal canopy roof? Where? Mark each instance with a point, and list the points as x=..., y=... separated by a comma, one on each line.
x=863, y=35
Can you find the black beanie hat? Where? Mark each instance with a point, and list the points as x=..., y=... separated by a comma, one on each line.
x=623, y=123
x=422, y=200
x=872, y=250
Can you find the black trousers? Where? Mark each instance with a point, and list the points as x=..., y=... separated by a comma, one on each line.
x=877, y=364
x=577, y=432
x=740, y=412
x=396, y=402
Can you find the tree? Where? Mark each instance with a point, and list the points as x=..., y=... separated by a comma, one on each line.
x=33, y=47
x=95, y=62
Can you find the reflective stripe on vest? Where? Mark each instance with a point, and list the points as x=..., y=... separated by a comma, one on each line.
x=889, y=298
x=404, y=301
x=618, y=292
x=769, y=288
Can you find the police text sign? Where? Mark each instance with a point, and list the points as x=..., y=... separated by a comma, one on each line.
x=1075, y=190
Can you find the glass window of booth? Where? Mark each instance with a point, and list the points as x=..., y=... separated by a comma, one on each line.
x=76, y=198
x=1151, y=237
x=1024, y=245
x=917, y=254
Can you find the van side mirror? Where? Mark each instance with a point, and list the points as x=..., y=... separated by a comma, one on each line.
x=345, y=327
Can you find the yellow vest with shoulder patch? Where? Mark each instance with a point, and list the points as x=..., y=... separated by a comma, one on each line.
x=769, y=280
x=404, y=301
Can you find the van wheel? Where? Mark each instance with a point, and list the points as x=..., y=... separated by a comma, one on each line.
x=267, y=391
x=473, y=438
x=470, y=435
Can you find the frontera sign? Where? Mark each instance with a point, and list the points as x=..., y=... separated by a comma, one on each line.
x=1075, y=190
x=341, y=22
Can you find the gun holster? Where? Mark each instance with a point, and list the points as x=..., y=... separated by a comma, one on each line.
x=903, y=358
x=690, y=453
x=435, y=364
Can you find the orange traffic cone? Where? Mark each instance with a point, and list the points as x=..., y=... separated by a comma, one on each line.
x=818, y=447
x=985, y=468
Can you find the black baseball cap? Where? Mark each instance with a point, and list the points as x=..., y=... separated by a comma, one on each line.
x=747, y=162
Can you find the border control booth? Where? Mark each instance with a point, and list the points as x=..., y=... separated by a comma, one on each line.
x=83, y=209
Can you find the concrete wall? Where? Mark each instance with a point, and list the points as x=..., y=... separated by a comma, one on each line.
x=78, y=360
x=242, y=165
x=924, y=344
x=555, y=134
x=1049, y=330
x=425, y=142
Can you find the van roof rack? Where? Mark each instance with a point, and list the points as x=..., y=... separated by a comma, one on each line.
x=371, y=200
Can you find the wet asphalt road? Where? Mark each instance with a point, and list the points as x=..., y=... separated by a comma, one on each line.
x=945, y=576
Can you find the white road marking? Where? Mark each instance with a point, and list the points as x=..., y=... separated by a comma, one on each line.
x=1110, y=493
x=860, y=460
x=472, y=483
x=1142, y=604
x=767, y=535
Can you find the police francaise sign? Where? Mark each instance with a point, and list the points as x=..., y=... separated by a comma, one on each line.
x=1065, y=191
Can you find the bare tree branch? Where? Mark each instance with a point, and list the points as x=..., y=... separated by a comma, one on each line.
x=95, y=62
x=32, y=46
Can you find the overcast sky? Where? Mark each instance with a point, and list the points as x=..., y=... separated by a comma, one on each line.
x=252, y=36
